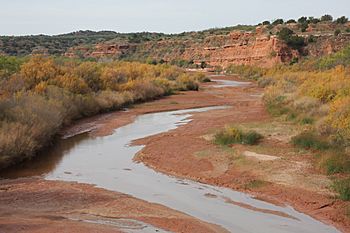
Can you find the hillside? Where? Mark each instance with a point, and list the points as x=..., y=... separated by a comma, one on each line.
x=261, y=45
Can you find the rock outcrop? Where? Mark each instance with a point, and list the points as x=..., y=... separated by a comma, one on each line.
x=327, y=44
x=260, y=47
x=242, y=48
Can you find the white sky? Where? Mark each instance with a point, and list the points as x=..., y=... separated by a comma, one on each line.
x=24, y=17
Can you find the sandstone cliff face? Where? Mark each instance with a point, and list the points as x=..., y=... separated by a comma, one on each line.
x=238, y=48
x=257, y=48
x=327, y=44
x=241, y=48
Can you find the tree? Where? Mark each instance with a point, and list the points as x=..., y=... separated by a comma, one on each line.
x=342, y=20
x=291, y=21
x=90, y=72
x=9, y=65
x=292, y=40
x=266, y=23
x=313, y=20
x=326, y=18
x=302, y=20
x=203, y=65
x=285, y=34
x=38, y=69
x=278, y=21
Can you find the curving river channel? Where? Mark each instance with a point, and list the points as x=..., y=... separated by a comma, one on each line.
x=107, y=162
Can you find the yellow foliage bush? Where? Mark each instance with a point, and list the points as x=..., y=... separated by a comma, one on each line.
x=47, y=93
x=321, y=94
x=339, y=116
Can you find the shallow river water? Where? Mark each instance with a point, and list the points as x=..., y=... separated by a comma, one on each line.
x=107, y=162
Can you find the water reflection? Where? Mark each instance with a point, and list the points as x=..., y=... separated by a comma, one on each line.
x=46, y=161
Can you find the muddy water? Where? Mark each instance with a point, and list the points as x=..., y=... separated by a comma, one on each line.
x=107, y=163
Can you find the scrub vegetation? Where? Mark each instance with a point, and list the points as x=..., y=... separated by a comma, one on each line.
x=314, y=94
x=38, y=95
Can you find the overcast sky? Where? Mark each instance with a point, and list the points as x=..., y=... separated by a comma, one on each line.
x=24, y=17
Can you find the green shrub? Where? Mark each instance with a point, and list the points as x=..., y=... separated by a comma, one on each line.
x=326, y=18
x=309, y=140
x=276, y=106
x=307, y=121
x=277, y=22
x=342, y=20
x=229, y=135
x=304, y=26
x=9, y=65
x=313, y=20
x=251, y=138
x=292, y=40
x=339, y=58
x=249, y=72
x=302, y=19
x=291, y=116
x=312, y=39
x=291, y=21
x=335, y=163
x=232, y=135
x=343, y=188
x=201, y=78
x=186, y=83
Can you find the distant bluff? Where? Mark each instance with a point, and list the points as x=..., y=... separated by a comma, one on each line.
x=264, y=45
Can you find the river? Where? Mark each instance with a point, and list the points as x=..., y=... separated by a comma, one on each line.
x=107, y=162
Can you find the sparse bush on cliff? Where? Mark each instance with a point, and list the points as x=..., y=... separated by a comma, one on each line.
x=288, y=36
x=327, y=18
x=291, y=21
x=278, y=21
x=342, y=20
x=313, y=20
x=302, y=20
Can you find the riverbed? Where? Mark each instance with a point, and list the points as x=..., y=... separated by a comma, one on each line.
x=107, y=162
